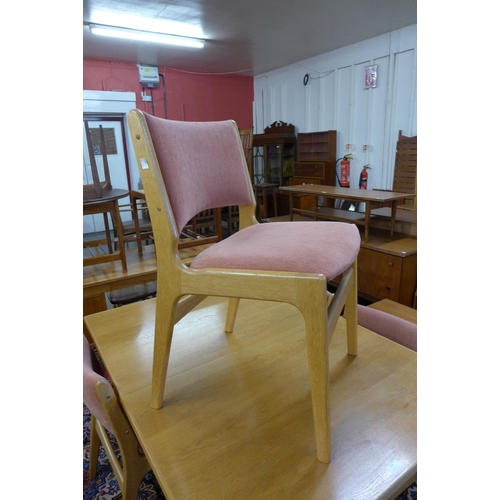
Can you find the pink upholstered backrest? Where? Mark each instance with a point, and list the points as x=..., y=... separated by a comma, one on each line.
x=90, y=378
x=202, y=164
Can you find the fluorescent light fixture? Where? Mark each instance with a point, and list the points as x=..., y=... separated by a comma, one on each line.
x=146, y=36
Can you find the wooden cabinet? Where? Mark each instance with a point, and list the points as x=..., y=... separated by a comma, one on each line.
x=316, y=152
x=274, y=154
x=387, y=269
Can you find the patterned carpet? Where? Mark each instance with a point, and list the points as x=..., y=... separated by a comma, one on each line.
x=105, y=487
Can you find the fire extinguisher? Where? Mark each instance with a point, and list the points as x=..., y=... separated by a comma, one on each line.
x=363, y=177
x=345, y=171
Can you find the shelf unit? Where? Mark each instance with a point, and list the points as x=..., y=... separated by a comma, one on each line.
x=314, y=146
x=316, y=156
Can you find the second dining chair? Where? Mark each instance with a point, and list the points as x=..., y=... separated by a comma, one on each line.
x=187, y=167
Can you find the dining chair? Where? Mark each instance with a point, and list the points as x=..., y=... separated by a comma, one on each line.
x=388, y=325
x=107, y=416
x=187, y=167
x=230, y=215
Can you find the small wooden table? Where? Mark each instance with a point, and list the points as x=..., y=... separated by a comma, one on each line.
x=371, y=198
x=107, y=204
x=237, y=418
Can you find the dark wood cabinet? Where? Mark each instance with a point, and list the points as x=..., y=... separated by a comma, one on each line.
x=387, y=269
x=312, y=146
x=274, y=154
x=316, y=152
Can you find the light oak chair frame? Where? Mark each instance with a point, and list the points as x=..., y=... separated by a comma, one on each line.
x=181, y=288
x=133, y=466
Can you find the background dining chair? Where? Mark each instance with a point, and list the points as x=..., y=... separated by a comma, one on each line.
x=230, y=214
x=107, y=415
x=129, y=227
x=389, y=326
x=187, y=167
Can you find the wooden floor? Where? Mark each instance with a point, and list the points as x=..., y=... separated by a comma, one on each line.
x=237, y=421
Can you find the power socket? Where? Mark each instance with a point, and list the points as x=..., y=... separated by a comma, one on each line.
x=146, y=98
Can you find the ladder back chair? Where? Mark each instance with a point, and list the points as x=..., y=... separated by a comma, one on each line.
x=230, y=214
x=187, y=167
x=405, y=169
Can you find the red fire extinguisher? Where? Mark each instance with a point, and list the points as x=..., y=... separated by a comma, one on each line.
x=345, y=171
x=363, y=177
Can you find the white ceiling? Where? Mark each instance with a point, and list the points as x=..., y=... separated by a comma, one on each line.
x=243, y=37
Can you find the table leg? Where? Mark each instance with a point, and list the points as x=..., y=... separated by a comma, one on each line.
x=108, y=233
x=368, y=210
x=119, y=230
x=264, y=203
x=394, y=208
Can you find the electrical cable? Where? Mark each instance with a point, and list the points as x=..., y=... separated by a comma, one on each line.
x=164, y=95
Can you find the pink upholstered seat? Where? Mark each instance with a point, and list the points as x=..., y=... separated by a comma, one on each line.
x=327, y=248
x=396, y=329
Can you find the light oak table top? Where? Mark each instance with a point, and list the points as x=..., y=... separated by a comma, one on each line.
x=237, y=418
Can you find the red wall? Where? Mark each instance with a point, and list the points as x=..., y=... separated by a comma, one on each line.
x=189, y=97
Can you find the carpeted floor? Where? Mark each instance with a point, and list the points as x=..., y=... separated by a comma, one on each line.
x=105, y=487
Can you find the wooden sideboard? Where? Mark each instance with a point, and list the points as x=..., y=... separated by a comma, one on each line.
x=387, y=269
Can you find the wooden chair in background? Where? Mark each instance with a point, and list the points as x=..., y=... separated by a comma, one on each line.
x=188, y=167
x=405, y=170
x=101, y=198
x=130, y=228
x=230, y=214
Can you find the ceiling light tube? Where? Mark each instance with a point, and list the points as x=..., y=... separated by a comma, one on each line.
x=146, y=36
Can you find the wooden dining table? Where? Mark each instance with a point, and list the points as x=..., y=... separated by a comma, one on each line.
x=372, y=198
x=236, y=421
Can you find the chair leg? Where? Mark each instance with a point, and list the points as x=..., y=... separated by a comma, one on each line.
x=351, y=314
x=95, y=444
x=318, y=373
x=317, y=353
x=136, y=467
x=232, y=310
x=164, y=330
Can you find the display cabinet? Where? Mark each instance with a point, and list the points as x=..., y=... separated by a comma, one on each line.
x=274, y=154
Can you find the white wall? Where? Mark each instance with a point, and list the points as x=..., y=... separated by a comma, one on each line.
x=334, y=99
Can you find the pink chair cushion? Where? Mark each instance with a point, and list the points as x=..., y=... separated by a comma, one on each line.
x=396, y=329
x=327, y=248
x=90, y=378
x=202, y=164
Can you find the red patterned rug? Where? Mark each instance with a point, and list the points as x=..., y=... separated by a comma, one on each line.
x=104, y=486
